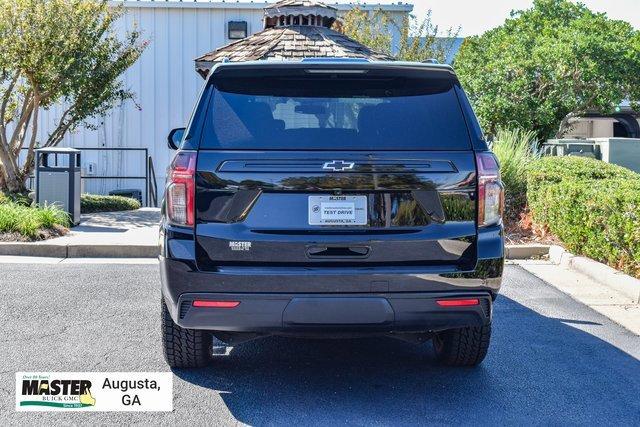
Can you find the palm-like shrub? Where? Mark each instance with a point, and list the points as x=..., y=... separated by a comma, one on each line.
x=515, y=149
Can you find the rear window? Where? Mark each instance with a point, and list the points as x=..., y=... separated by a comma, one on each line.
x=307, y=113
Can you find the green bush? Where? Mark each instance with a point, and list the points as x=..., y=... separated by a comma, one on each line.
x=550, y=170
x=591, y=206
x=95, y=203
x=30, y=222
x=515, y=150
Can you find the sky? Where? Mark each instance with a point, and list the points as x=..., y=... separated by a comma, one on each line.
x=477, y=16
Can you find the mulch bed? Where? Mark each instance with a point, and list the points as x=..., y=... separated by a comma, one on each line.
x=522, y=231
x=43, y=234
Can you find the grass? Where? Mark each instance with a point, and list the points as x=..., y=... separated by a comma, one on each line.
x=515, y=150
x=32, y=223
x=90, y=203
x=21, y=221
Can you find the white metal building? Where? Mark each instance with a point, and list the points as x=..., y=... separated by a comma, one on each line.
x=165, y=82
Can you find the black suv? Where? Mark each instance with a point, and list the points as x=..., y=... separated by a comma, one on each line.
x=334, y=198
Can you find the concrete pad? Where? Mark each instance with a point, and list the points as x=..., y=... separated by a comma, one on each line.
x=611, y=277
x=625, y=315
x=611, y=303
x=602, y=273
x=128, y=234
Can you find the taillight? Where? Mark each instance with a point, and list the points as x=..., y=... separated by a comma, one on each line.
x=216, y=304
x=490, y=190
x=181, y=192
x=458, y=302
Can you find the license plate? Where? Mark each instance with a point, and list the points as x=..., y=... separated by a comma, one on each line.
x=337, y=210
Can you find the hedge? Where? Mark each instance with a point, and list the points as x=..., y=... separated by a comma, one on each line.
x=96, y=203
x=591, y=206
x=547, y=170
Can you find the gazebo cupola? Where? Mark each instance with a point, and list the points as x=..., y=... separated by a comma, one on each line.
x=299, y=12
x=293, y=29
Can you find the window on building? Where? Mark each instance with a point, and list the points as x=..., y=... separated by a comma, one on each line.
x=237, y=30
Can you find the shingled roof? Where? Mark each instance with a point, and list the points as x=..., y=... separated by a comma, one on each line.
x=294, y=29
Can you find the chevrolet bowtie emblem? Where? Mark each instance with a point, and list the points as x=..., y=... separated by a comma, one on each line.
x=338, y=166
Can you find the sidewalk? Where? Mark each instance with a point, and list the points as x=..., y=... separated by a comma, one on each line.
x=610, y=302
x=126, y=234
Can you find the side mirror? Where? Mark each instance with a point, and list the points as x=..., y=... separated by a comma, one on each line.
x=175, y=137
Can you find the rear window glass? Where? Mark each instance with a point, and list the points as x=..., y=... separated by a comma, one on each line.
x=335, y=114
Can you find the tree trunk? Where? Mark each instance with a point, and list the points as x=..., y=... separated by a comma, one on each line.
x=29, y=164
x=11, y=180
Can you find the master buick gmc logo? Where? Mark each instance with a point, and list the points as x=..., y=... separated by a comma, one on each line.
x=240, y=246
x=338, y=165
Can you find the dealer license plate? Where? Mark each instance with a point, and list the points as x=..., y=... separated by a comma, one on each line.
x=337, y=210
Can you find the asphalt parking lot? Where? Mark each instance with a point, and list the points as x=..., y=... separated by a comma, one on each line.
x=552, y=360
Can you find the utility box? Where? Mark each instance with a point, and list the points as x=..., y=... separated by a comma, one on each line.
x=620, y=151
x=58, y=175
x=571, y=147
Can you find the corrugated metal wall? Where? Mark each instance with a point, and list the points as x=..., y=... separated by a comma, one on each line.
x=165, y=82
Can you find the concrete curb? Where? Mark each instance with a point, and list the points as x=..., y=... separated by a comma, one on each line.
x=601, y=273
x=525, y=251
x=57, y=250
x=36, y=249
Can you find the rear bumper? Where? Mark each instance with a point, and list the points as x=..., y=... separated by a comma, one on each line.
x=359, y=298
x=314, y=313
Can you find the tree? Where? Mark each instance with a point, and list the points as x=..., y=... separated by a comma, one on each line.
x=51, y=52
x=547, y=64
x=418, y=41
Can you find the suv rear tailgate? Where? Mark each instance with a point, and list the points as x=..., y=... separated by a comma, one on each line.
x=253, y=208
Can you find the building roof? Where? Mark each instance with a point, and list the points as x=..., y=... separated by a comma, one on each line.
x=246, y=5
x=293, y=29
x=289, y=43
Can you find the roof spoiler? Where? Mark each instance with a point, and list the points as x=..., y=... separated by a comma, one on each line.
x=335, y=59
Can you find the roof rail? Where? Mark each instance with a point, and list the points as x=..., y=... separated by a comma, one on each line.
x=431, y=61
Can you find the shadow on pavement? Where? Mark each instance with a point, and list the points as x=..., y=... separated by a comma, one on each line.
x=99, y=229
x=141, y=218
x=539, y=371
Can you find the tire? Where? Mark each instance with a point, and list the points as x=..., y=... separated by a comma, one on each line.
x=462, y=347
x=184, y=348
